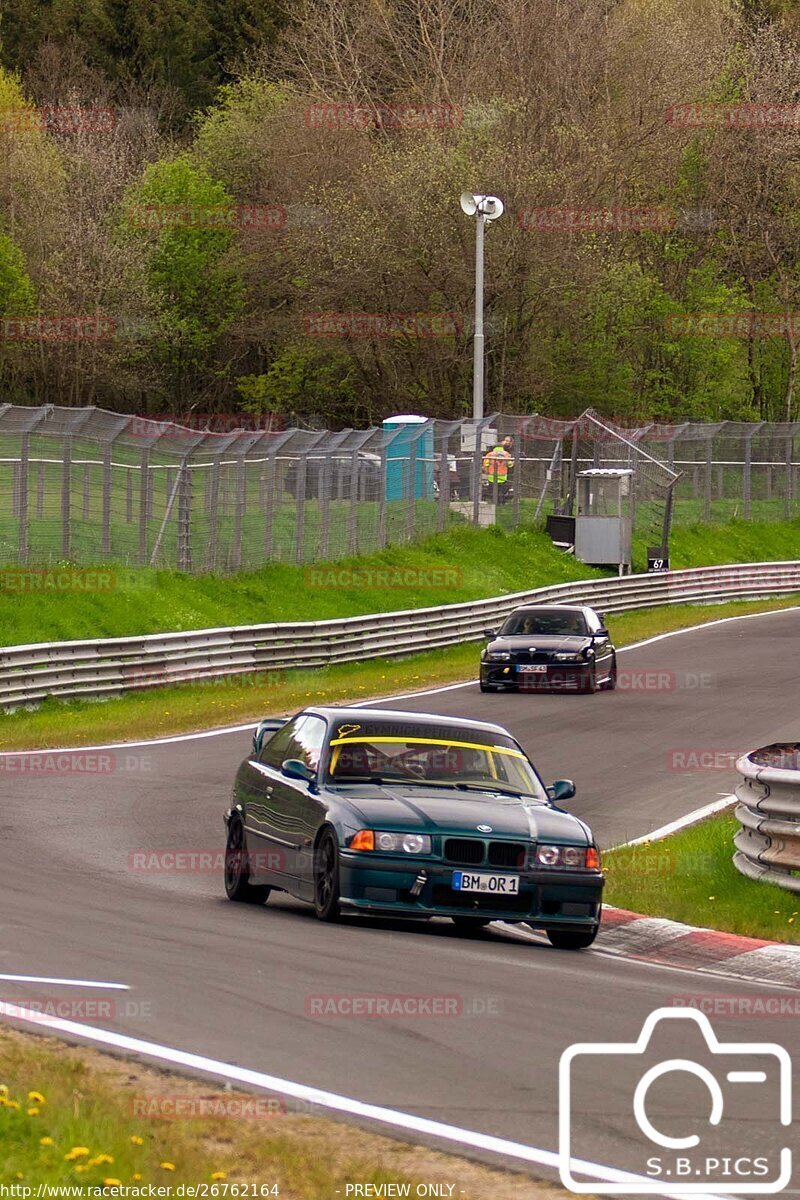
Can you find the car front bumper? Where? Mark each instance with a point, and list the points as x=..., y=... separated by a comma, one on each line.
x=545, y=898
x=566, y=677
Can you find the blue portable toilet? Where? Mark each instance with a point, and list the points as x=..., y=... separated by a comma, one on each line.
x=398, y=453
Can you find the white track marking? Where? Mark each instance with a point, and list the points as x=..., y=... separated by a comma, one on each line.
x=323, y=1099
x=450, y=687
x=691, y=818
x=85, y=983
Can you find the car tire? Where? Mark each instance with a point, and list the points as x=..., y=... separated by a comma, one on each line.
x=326, y=877
x=237, y=873
x=470, y=924
x=488, y=687
x=572, y=939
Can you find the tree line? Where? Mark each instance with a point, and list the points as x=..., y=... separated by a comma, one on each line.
x=256, y=206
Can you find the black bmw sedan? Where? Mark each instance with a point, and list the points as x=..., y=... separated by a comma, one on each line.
x=554, y=647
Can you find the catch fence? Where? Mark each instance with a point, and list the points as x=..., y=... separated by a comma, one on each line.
x=90, y=486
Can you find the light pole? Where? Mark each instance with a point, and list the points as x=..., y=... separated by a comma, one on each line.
x=483, y=208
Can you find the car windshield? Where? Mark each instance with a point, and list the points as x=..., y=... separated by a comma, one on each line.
x=422, y=761
x=544, y=621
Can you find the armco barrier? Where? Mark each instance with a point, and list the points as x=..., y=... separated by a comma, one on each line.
x=768, y=844
x=110, y=666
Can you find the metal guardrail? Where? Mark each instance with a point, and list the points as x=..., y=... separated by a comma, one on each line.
x=109, y=666
x=768, y=844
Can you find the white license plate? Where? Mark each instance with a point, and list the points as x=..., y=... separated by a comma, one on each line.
x=498, y=885
x=535, y=669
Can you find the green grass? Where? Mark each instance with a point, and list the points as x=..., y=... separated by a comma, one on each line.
x=168, y=710
x=86, y=1111
x=463, y=564
x=471, y=564
x=690, y=877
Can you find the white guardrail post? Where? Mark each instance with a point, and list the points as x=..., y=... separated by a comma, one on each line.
x=768, y=844
x=110, y=666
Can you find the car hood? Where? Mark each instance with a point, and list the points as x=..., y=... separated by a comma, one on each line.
x=381, y=806
x=572, y=643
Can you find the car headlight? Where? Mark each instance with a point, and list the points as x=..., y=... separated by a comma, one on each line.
x=397, y=843
x=581, y=858
x=567, y=657
x=498, y=656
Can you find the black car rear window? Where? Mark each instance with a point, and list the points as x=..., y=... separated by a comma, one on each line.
x=544, y=621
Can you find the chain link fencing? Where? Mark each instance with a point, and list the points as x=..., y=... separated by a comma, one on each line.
x=90, y=486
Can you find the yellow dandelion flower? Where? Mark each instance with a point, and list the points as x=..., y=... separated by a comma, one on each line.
x=167, y=1166
x=3, y=1089
x=112, y=1183
x=81, y=1167
x=219, y=1175
x=36, y=1098
x=137, y=1141
x=33, y=1112
x=12, y=1104
x=102, y=1158
x=137, y=1177
x=45, y=1141
x=76, y=1152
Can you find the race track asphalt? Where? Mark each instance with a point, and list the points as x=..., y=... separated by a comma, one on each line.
x=235, y=983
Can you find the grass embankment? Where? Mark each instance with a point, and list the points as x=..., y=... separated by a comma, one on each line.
x=167, y=710
x=463, y=564
x=690, y=877
x=84, y=1131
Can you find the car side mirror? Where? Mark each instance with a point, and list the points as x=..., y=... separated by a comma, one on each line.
x=562, y=789
x=490, y=633
x=601, y=633
x=295, y=768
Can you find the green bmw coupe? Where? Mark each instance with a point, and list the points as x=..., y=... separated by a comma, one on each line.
x=360, y=810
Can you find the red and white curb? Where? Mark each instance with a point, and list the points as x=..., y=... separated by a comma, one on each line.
x=708, y=951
